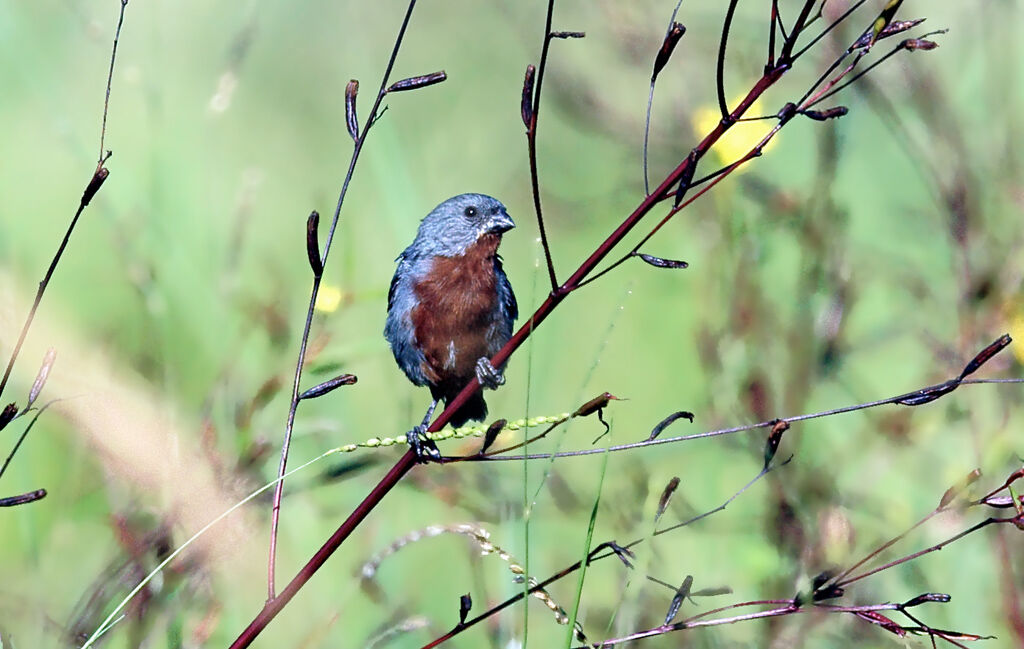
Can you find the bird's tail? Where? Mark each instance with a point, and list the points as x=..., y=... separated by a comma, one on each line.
x=475, y=408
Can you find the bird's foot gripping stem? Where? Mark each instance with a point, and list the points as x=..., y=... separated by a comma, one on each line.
x=425, y=449
x=488, y=375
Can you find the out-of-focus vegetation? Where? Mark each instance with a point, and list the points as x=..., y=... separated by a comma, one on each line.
x=857, y=259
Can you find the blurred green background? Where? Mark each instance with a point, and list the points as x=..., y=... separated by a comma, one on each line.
x=857, y=259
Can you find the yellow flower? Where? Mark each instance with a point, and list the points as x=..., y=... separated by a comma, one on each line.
x=1017, y=331
x=328, y=299
x=739, y=139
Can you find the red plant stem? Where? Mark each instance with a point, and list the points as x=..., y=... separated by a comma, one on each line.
x=274, y=606
x=602, y=251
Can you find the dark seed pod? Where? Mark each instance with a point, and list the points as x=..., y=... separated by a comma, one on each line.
x=822, y=115
x=313, y=243
x=492, y=434
x=527, y=104
x=351, y=118
x=666, y=496
x=422, y=81
x=675, y=32
x=7, y=414
x=94, y=185
x=660, y=262
x=465, y=604
x=328, y=386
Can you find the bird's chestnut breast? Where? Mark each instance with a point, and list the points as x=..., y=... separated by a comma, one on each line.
x=456, y=308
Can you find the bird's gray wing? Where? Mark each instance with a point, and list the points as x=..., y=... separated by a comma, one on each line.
x=506, y=298
x=398, y=329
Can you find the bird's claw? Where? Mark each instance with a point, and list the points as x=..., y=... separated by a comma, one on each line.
x=488, y=375
x=425, y=449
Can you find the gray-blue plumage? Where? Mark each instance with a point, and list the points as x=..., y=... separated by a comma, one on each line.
x=450, y=285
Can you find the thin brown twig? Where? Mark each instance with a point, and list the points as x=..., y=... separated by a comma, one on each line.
x=723, y=431
x=602, y=551
x=723, y=42
x=1017, y=520
x=93, y=186
x=531, y=141
x=293, y=405
x=783, y=116
x=110, y=80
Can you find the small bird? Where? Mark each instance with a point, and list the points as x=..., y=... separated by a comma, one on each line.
x=451, y=307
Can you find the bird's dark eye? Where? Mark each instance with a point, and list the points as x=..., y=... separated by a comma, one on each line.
x=470, y=211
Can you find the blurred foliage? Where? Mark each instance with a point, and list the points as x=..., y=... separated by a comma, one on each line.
x=858, y=259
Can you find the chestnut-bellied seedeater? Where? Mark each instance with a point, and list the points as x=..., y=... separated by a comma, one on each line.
x=451, y=307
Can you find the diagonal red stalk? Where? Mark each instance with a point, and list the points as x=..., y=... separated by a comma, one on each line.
x=408, y=460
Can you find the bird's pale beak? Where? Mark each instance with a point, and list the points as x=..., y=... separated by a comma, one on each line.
x=500, y=222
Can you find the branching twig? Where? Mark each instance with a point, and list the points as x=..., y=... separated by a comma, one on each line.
x=110, y=77
x=723, y=43
x=374, y=114
x=727, y=431
x=602, y=551
x=531, y=140
x=98, y=176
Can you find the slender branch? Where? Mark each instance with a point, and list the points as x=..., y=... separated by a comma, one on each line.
x=1013, y=520
x=110, y=79
x=720, y=66
x=782, y=26
x=22, y=437
x=603, y=250
x=786, y=56
x=899, y=48
x=98, y=177
x=602, y=551
x=274, y=606
x=712, y=179
x=824, y=75
x=531, y=140
x=835, y=23
x=725, y=431
x=293, y=406
x=666, y=49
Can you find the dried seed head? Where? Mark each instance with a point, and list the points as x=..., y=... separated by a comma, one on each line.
x=913, y=44
x=7, y=414
x=675, y=32
x=329, y=386
x=661, y=262
x=313, y=243
x=94, y=184
x=422, y=81
x=351, y=118
x=492, y=434
x=822, y=115
x=527, y=103
x=44, y=372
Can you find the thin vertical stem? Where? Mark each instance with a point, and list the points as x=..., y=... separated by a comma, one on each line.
x=293, y=406
x=720, y=66
x=531, y=140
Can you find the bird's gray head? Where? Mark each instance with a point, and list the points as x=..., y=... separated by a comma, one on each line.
x=457, y=223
